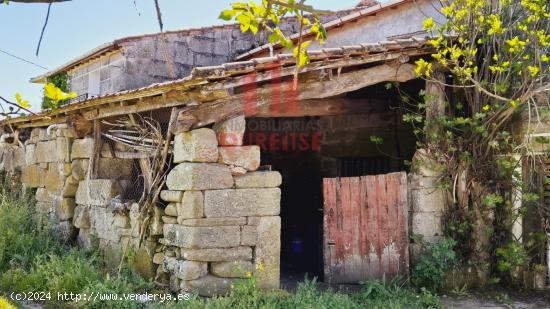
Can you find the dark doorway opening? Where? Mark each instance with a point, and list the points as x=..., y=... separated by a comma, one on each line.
x=326, y=145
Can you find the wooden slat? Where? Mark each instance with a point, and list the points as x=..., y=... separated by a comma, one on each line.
x=366, y=228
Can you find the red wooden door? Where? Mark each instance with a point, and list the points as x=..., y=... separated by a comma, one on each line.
x=365, y=228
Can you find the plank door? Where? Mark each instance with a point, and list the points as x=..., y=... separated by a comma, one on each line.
x=365, y=228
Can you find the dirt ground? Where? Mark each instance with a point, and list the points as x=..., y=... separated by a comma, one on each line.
x=499, y=299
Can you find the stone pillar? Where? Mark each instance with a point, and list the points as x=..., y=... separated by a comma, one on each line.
x=222, y=219
x=426, y=196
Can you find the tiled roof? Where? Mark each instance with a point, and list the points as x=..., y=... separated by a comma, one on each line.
x=344, y=56
x=114, y=45
x=368, y=11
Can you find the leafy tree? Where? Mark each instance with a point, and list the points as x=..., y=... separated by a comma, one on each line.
x=268, y=14
x=497, y=54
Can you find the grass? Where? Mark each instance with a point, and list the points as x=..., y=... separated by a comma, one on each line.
x=31, y=260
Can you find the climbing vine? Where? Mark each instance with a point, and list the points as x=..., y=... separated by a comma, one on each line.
x=268, y=14
x=492, y=58
x=56, y=91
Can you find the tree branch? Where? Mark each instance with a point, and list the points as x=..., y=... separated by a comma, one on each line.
x=159, y=15
x=15, y=111
x=301, y=7
x=44, y=28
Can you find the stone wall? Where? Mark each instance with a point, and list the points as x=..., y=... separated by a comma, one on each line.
x=221, y=216
x=222, y=219
x=172, y=55
x=76, y=208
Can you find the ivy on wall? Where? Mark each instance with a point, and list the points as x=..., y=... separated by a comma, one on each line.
x=61, y=81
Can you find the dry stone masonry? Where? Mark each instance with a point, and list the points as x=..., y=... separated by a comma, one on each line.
x=220, y=221
x=219, y=225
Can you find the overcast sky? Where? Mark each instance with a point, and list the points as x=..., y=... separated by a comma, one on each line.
x=78, y=26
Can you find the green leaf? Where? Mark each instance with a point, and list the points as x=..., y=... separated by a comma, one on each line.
x=227, y=14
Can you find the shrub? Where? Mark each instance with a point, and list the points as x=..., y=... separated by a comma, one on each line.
x=437, y=259
x=21, y=241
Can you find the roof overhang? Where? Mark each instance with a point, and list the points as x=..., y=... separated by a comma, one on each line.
x=215, y=83
x=94, y=53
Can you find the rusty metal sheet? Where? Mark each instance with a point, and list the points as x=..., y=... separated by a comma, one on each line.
x=365, y=228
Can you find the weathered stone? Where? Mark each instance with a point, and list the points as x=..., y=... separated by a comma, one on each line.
x=63, y=149
x=427, y=224
x=174, y=284
x=44, y=207
x=169, y=262
x=218, y=255
x=210, y=286
x=64, y=231
x=191, y=206
x=244, y=156
x=106, y=151
x=79, y=169
x=237, y=170
x=32, y=176
x=156, y=225
x=426, y=194
x=112, y=253
x=231, y=132
x=81, y=218
x=190, y=270
x=64, y=132
x=121, y=221
x=64, y=208
x=45, y=135
x=199, y=176
x=54, y=179
x=30, y=154
x=242, y=202
x=259, y=180
x=268, y=252
x=236, y=269
x=213, y=222
x=171, y=210
x=143, y=260
x=202, y=237
x=171, y=196
x=42, y=195
x=65, y=169
x=196, y=146
x=82, y=148
x=70, y=187
x=135, y=222
x=158, y=258
x=112, y=168
x=19, y=160
x=169, y=220
x=249, y=235
x=102, y=222
x=46, y=152
x=97, y=192
x=85, y=239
